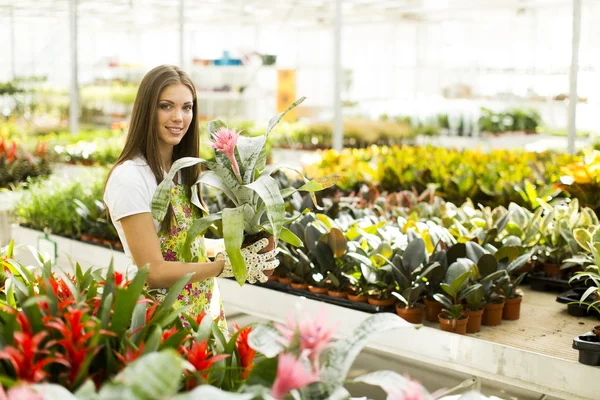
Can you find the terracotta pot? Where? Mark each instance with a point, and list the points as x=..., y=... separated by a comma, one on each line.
x=432, y=309
x=359, y=299
x=299, y=285
x=596, y=330
x=413, y=315
x=341, y=295
x=285, y=281
x=383, y=303
x=512, y=308
x=474, y=324
x=453, y=325
x=551, y=269
x=492, y=314
x=315, y=289
x=528, y=267
x=274, y=277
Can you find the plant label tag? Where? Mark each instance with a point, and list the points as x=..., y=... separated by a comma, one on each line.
x=47, y=248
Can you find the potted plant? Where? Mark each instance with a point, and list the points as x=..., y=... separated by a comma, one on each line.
x=296, y=266
x=356, y=286
x=474, y=301
x=432, y=306
x=512, y=298
x=411, y=272
x=241, y=173
x=452, y=317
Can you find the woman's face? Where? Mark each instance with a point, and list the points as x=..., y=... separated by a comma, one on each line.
x=174, y=113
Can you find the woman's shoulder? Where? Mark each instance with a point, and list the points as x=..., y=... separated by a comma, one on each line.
x=132, y=170
x=134, y=166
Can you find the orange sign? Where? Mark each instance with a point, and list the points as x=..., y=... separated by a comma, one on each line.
x=286, y=92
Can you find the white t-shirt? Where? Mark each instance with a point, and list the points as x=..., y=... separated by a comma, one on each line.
x=129, y=191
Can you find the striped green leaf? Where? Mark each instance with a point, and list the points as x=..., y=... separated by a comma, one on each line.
x=233, y=234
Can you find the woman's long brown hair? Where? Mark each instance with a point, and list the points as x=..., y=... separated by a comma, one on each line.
x=142, y=138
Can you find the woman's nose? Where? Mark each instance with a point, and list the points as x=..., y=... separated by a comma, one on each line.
x=177, y=115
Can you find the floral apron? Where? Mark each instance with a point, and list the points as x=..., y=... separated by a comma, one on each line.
x=202, y=296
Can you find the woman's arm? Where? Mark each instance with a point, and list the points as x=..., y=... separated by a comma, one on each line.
x=145, y=249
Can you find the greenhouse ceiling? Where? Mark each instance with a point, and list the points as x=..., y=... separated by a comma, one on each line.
x=146, y=13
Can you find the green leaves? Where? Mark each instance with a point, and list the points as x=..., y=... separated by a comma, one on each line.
x=340, y=358
x=162, y=195
x=268, y=190
x=153, y=376
x=198, y=228
x=233, y=235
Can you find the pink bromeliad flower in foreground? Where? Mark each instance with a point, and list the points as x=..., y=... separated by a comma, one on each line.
x=20, y=393
x=313, y=335
x=291, y=375
x=412, y=391
x=225, y=140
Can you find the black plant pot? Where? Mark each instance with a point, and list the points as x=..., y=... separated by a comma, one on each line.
x=588, y=345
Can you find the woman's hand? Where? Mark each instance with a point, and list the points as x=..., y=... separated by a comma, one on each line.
x=256, y=263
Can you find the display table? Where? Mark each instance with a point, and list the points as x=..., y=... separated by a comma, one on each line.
x=533, y=353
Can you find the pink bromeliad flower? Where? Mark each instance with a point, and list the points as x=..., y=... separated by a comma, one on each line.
x=20, y=393
x=291, y=375
x=313, y=335
x=225, y=140
x=412, y=391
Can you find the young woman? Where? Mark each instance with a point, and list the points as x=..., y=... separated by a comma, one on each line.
x=164, y=128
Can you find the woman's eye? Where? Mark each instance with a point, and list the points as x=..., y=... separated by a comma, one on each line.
x=165, y=106
x=188, y=108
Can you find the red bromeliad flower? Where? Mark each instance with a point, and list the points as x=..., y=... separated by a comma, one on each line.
x=150, y=311
x=119, y=280
x=76, y=334
x=167, y=334
x=28, y=357
x=130, y=355
x=58, y=287
x=12, y=153
x=199, y=356
x=246, y=352
x=200, y=317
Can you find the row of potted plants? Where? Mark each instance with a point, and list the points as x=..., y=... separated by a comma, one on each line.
x=101, y=335
x=72, y=209
x=384, y=263
x=486, y=178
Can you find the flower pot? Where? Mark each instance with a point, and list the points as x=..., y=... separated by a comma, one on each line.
x=453, y=325
x=528, y=267
x=359, y=299
x=284, y=280
x=303, y=286
x=383, y=303
x=551, y=270
x=270, y=246
x=596, y=330
x=512, y=308
x=274, y=277
x=432, y=309
x=414, y=315
x=474, y=323
x=492, y=314
x=341, y=295
x=315, y=289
